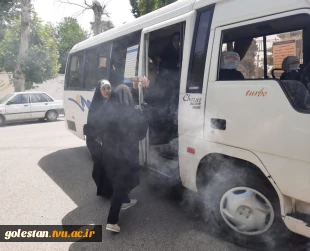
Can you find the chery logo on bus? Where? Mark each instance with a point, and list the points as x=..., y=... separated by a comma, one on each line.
x=260, y=93
x=195, y=102
x=81, y=102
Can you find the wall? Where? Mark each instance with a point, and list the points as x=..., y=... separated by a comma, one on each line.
x=5, y=87
x=54, y=87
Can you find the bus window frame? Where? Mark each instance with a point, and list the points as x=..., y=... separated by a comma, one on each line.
x=109, y=43
x=206, y=49
x=136, y=33
x=218, y=38
x=218, y=42
x=84, y=51
x=96, y=48
x=264, y=36
x=67, y=74
x=188, y=19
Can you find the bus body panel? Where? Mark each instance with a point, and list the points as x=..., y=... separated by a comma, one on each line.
x=265, y=123
x=267, y=126
x=297, y=226
x=189, y=166
x=290, y=175
x=189, y=162
x=76, y=106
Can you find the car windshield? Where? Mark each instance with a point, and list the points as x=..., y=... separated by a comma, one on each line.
x=5, y=98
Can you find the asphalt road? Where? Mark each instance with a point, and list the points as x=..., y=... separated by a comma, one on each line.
x=46, y=180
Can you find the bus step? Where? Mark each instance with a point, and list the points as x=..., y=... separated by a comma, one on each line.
x=301, y=216
x=169, y=155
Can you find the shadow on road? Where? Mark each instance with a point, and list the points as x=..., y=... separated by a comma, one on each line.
x=71, y=170
x=162, y=219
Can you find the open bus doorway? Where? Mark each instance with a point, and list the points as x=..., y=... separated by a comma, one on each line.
x=164, y=69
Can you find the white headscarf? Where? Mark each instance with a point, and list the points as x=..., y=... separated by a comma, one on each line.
x=104, y=82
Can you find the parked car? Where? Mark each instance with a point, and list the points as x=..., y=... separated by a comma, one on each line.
x=29, y=105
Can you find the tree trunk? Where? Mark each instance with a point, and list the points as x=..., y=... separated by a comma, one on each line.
x=98, y=12
x=19, y=75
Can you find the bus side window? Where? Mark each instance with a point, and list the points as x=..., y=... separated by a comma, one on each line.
x=263, y=51
x=199, y=52
x=91, y=69
x=104, y=61
x=76, y=70
x=118, y=58
x=97, y=64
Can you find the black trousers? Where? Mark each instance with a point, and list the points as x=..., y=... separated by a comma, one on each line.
x=105, y=188
x=119, y=197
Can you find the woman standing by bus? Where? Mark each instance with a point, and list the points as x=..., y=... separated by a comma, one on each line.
x=100, y=100
x=121, y=126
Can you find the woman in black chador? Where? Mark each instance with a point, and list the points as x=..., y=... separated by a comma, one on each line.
x=121, y=125
x=101, y=100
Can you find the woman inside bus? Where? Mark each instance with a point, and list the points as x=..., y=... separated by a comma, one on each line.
x=121, y=126
x=164, y=97
x=170, y=57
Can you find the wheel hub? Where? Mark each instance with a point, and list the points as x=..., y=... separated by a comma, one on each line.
x=246, y=211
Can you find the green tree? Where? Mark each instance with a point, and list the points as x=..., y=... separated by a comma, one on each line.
x=25, y=21
x=162, y=3
x=69, y=33
x=146, y=6
x=5, y=8
x=103, y=26
x=8, y=9
x=41, y=63
x=142, y=7
x=135, y=8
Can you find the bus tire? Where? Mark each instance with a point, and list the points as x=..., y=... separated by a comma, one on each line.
x=51, y=116
x=242, y=205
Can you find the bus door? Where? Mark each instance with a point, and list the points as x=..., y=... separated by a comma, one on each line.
x=162, y=57
x=192, y=109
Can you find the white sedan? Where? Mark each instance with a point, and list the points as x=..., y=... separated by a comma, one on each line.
x=29, y=105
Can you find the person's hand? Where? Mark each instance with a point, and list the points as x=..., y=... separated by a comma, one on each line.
x=145, y=82
x=99, y=141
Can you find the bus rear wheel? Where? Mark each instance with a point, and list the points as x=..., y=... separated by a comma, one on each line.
x=243, y=206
